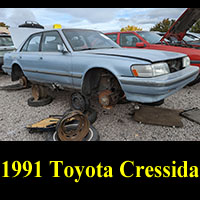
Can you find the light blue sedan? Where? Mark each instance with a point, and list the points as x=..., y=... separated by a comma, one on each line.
x=90, y=62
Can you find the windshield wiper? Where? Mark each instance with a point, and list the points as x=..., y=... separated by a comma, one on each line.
x=93, y=48
x=85, y=49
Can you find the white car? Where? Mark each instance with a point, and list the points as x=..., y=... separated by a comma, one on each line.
x=6, y=45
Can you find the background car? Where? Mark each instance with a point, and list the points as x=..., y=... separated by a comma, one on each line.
x=6, y=45
x=151, y=40
x=189, y=40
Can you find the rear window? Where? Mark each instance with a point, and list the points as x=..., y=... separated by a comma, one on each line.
x=6, y=41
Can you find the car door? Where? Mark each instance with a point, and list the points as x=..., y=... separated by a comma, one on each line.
x=55, y=66
x=29, y=57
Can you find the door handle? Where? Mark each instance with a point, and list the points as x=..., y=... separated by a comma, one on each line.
x=41, y=58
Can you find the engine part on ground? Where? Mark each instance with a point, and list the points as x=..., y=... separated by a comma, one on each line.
x=41, y=102
x=192, y=115
x=158, y=116
x=79, y=102
x=92, y=135
x=66, y=133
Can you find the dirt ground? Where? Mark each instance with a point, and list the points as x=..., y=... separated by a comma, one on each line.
x=113, y=125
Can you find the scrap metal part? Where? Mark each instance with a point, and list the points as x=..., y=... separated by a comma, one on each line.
x=158, y=116
x=38, y=92
x=23, y=81
x=66, y=133
x=192, y=115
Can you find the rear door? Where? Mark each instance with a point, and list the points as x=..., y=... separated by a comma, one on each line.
x=29, y=56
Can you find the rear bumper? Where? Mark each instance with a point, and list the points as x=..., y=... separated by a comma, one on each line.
x=149, y=90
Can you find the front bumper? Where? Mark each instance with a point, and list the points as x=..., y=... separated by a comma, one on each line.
x=149, y=90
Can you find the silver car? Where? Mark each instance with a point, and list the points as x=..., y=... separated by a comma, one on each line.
x=6, y=45
x=90, y=62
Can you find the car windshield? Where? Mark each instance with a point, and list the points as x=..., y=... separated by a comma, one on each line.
x=150, y=37
x=81, y=40
x=6, y=41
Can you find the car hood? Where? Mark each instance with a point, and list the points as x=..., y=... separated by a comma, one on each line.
x=183, y=24
x=140, y=54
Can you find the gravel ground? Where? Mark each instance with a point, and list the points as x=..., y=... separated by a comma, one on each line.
x=113, y=125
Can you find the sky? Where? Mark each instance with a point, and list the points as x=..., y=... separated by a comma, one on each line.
x=103, y=19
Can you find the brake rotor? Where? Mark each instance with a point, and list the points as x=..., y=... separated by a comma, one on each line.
x=23, y=81
x=105, y=99
x=67, y=132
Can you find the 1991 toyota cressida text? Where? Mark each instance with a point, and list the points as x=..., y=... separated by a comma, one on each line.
x=90, y=62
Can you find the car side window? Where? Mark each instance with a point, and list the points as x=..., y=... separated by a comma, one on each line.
x=128, y=40
x=33, y=43
x=113, y=37
x=50, y=41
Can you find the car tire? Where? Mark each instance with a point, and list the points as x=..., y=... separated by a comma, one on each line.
x=93, y=135
x=91, y=114
x=79, y=102
x=40, y=102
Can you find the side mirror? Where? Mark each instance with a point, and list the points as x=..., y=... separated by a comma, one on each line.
x=61, y=48
x=140, y=45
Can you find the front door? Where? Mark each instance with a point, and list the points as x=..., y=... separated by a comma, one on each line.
x=55, y=66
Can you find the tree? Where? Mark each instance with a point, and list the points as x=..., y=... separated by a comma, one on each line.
x=2, y=24
x=163, y=26
x=130, y=28
x=196, y=27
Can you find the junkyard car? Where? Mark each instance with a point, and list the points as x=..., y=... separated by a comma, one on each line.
x=90, y=62
x=151, y=40
x=6, y=45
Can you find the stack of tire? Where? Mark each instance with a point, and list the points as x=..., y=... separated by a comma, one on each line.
x=79, y=104
x=92, y=134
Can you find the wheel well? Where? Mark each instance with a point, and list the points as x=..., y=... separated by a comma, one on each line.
x=16, y=72
x=99, y=79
